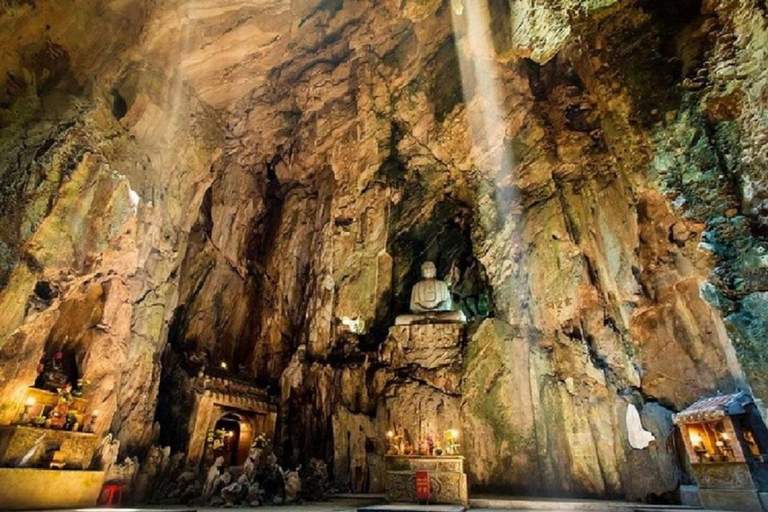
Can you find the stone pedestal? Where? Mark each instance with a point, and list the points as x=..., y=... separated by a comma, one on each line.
x=428, y=346
x=448, y=482
x=729, y=485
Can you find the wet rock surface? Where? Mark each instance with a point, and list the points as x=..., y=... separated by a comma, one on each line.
x=191, y=183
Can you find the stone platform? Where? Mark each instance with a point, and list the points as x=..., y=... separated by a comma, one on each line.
x=448, y=482
x=75, y=448
x=39, y=489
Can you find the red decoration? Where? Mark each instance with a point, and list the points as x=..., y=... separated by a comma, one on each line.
x=423, y=489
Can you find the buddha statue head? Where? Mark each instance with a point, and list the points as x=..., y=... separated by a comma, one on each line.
x=428, y=270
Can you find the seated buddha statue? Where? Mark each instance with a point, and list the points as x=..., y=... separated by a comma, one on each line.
x=431, y=301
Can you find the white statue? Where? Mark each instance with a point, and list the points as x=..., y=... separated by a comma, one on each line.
x=431, y=301
x=213, y=475
x=33, y=456
x=430, y=294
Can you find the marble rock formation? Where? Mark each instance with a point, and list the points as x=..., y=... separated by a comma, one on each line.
x=185, y=183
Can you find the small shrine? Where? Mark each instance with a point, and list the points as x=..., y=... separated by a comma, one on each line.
x=423, y=460
x=228, y=416
x=53, y=429
x=726, y=441
x=51, y=436
x=430, y=469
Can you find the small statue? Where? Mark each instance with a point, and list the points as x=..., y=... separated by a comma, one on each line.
x=431, y=301
x=234, y=493
x=51, y=374
x=292, y=486
x=148, y=474
x=424, y=448
x=212, y=477
x=272, y=481
x=255, y=454
x=33, y=456
x=315, y=481
x=106, y=455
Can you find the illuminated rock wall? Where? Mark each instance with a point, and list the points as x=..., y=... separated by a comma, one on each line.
x=197, y=182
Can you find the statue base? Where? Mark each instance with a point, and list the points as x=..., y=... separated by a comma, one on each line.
x=436, y=317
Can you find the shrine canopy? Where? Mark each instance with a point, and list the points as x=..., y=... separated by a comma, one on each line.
x=708, y=409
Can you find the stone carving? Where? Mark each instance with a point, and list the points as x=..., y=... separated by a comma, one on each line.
x=448, y=482
x=292, y=485
x=106, y=455
x=31, y=458
x=431, y=301
x=146, y=478
x=212, y=477
x=234, y=493
x=723, y=476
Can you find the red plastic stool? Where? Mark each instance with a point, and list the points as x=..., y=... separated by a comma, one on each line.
x=111, y=495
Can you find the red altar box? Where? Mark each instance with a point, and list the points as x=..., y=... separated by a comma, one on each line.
x=422, y=486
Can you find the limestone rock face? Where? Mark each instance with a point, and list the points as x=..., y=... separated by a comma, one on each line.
x=186, y=184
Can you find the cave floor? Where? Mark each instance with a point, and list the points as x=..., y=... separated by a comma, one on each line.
x=477, y=504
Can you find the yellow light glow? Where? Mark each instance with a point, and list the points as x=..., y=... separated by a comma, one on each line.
x=223, y=365
x=724, y=436
x=454, y=433
x=695, y=439
x=95, y=413
x=30, y=401
x=390, y=434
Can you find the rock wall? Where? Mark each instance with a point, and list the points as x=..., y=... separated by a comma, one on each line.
x=256, y=184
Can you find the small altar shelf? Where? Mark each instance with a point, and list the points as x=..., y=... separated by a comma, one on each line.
x=448, y=482
x=75, y=448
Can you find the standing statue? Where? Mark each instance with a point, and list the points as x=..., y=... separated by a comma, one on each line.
x=106, y=456
x=212, y=477
x=431, y=301
x=145, y=480
x=292, y=486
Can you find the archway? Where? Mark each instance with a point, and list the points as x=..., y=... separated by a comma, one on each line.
x=227, y=433
x=233, y=434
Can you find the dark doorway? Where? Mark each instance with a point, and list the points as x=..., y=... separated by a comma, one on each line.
x=227, y=432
